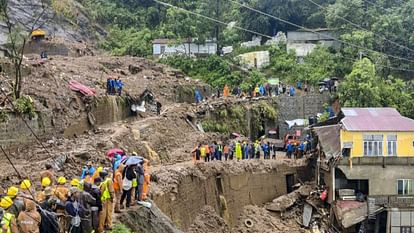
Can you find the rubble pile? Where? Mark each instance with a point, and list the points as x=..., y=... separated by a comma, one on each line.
x=209, y=221
x=258, y=219
x=303, y=206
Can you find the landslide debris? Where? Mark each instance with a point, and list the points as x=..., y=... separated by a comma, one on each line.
x=264, y=221
x=208, y=221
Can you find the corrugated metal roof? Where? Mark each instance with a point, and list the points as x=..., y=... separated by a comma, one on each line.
x=376, y=119
x=329, y=138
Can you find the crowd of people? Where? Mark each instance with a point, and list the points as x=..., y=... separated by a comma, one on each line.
x=269, y=90
x=114, y=86
x=83, y=205
x=243, y=150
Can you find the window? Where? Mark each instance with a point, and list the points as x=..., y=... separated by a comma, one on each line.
x=392, y=145
x=162, y=49
x=405, y=187
x=373, y=145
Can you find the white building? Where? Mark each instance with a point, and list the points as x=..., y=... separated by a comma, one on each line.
x=257, y=59
x=189, y=47
x=303, y=42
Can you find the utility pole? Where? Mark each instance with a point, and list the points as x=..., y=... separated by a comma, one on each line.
x=218, y=27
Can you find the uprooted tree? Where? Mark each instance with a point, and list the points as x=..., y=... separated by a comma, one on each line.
x=18, y=35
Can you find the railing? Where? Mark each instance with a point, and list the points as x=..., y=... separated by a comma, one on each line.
x=378, y=160
x=394, y=201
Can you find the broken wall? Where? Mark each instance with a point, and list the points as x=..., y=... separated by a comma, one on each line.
x=252, y=184
x=299, y=107
x=46, y=124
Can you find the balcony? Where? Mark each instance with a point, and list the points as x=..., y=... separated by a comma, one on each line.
x=378, y=160
x=394, y=201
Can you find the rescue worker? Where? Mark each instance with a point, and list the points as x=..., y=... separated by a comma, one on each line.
x=107, y=197
x=8, y=221
x=48, y=203
x=85, y=200
x=72, y=208
x=18, y=204
x=147, y=179
x=86, y=176
x=140, y=178
x=74, y=182
x=128, y=175
x=207, y=148
x=62, y=193
x=96, y=174
x=226, y=91
x=96, y=207
x=238, y=151
x=25, y=189
x=203, y=153
x=46, y=181
x=118, y=187
x=29, y=220
x=226, y=152
x=48, y=173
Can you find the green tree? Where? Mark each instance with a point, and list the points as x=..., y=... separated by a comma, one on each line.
x=361, y=88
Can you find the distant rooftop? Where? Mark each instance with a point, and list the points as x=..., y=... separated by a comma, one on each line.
x=172, y=41
x=376, y=119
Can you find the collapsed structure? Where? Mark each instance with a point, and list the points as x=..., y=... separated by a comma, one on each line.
x=365, y=156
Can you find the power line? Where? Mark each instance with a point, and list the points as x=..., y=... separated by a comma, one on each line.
x=362, y=28
x=212, y=19
x=264, y=35
x=377, y=5
x=315, y=32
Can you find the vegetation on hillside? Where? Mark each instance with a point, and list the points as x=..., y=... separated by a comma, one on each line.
x=375, y=57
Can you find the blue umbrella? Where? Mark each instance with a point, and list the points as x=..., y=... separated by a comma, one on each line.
x=134, y=160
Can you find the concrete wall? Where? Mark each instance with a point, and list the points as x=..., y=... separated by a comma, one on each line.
x=14, y=132
x=36, y=47
x=382, y=180
x=239, y=190
x=309, y=36
x=299, y=107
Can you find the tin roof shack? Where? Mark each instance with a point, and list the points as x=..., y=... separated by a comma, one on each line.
x=304, y=42
x=372, y=162
x=187, y=47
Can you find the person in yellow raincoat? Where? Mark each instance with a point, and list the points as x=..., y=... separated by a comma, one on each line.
x=238, y=151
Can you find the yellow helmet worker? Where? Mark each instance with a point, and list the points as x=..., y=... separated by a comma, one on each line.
x=26, y=184
x=61, y=180
x=46, y=182
x=12, y=192
x=74, y=183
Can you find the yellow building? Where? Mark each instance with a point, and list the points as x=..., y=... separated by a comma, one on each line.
x=369, y=152
x=376, y=132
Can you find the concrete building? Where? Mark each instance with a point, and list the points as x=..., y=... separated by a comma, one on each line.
x=369, y=153
x=304, y=42
x=189, y=47
x=257, y=59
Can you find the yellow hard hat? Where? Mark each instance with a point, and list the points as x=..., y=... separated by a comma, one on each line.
x=6, y=202
x=61, y=180
x=12, y=191
x=46, y=181
x=26, y=184
x=74, y=182
x=100, y=169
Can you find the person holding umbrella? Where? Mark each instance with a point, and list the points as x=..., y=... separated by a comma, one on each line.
x=128, y=175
